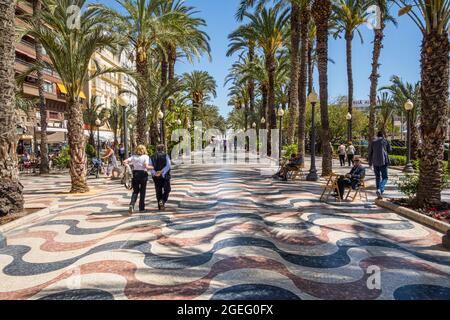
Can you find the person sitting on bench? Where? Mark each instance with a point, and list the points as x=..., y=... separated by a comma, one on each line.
x=292, y=165
x=351, y=179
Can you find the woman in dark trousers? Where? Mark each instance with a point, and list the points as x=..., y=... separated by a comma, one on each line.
x=141, y=163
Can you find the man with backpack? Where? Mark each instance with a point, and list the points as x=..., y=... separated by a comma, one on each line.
x=160, y=161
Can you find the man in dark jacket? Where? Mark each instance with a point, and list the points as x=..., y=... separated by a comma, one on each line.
x=379, y=158
x=161, y=175
x=352, y=178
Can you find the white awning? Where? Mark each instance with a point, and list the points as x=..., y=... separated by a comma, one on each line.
x=52, y=129
x=105, y=136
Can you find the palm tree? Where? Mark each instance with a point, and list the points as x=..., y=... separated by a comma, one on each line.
x=44, y=163
x=267, y=28
x=91, y=113
x=383, y=17
x=142, y=27
x=11, y=197
x=70, y=48
x=241, y=41
x=432, y=18
x=321, y=12
x=402, y=92
x=200, y=86
x=349, y=15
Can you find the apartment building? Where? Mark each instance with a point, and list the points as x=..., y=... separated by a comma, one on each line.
x=54, y=93
x=107, y=87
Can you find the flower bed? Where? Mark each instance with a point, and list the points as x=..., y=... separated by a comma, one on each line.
x=441, y=213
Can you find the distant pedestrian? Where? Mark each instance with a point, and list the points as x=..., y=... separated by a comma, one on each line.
x=110, y=157
x=350, y=153
x=141, y=163
x=161, y=175
x=379, y=158
x=122, y=153
x=342, y=154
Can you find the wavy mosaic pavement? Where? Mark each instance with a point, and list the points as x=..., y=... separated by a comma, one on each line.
x=228, y=233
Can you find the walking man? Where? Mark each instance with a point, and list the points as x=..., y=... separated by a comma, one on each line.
x=379, y=158
x=161, y=175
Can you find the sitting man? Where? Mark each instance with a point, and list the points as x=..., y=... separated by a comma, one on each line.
x=351, y=179
x=293, y=164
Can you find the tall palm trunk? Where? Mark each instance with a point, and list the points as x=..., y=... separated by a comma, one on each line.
x=271, y=68
x=251, y=82
x=310, y=67
x=78, y=168
x=374, y=76
x=348, y=43
x=293, y=87
x=172, y=54
x=44, y=166
x=321, y=11
x=11, y=197
x=264, y=104
x=305, y=17
x=434, y=116
x=142, y=104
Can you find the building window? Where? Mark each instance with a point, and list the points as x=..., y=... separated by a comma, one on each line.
x=53, y=115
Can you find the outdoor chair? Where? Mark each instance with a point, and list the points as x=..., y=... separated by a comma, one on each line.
x=360, y=189
x=296, y=172
x=330, y=188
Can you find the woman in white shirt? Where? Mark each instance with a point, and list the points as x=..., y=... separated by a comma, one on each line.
x=141, y=163
x=350, y=153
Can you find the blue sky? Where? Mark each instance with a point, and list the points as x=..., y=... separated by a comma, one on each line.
x=400, y=55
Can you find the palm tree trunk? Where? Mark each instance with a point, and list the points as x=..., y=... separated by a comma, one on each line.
x=78, y=169
x=434, y=116
x=270, y=67
x=374, y=76
x=321, y=12
x=305, y=17
x=44, y=166
x=172, y=53
x=293, y=87
x=264, y=104
x=11, y=197
x=310, y=67
x=142, y=103
x=251, y=84
x=348, y=42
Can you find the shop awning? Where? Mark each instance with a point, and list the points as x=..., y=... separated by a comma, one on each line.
x=63, y=90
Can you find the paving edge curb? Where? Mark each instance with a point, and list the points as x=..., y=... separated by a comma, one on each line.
x=419, y=218
x=21, y=221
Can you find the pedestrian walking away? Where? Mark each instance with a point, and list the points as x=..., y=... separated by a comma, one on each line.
x=161, y=175
x=141, y=164
x=122, y=153
x=342, y=154
x=379, y=158
x=350, y=153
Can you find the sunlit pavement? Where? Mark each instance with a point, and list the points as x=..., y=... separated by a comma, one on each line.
x=229, y=232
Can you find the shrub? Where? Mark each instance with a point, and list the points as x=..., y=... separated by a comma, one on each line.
x=63, y=159
x=408, y=184
x=90, y=151
x=151, y=149
x=397, y=160
x=399, y=151
x=290, y=149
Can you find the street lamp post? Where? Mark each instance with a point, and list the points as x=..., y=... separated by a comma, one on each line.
x=349, y=126
x=98, y=123
x=161, y=131
x=280, y=114
x=408, y=107
x=312, y=176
